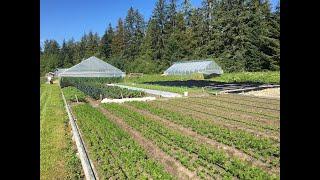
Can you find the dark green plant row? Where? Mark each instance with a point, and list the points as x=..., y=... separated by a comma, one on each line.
x=195, y=155
x=117, y=155
x=65, y=81
x=97, y=88
x=260, y=148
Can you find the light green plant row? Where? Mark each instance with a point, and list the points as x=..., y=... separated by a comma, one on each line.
x=250, y=77
x=195, y=155
x=117, y=155
x=175, y=89
x=158, y=77
x=58, y=158
x=240, y=77
x=72, y=94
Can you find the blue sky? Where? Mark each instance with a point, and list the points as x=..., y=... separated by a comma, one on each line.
x=64, y=19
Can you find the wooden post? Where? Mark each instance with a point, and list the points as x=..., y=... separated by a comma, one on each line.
x=76, y=98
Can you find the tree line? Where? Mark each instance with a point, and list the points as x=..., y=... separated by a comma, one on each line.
x=240, y=35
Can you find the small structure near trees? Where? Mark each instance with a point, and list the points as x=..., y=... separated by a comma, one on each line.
x=205, y=67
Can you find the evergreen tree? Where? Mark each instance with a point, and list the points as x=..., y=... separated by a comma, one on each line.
x=105, y=43
x=242, y=35
x=187, y=9
x=134, y=32
x=118, y=41
x=158, y=34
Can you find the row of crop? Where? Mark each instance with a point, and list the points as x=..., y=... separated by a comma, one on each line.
x=232, y=125
x=258, y=147
x=268, y=112
x=195, y=155
x=97, y=88
x=258, y=105
x=73, y=94
x=118, y=156
x=225, y=105
x=218, y=112
x=254, y=99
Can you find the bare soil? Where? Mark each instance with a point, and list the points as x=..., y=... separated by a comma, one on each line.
x=267, y=93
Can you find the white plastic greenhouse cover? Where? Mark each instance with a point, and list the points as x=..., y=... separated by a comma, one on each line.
x=197, y=66
x=93, y=67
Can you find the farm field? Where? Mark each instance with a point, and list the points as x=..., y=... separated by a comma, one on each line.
x=212, y=137
x=58, y=158
x=194, y=83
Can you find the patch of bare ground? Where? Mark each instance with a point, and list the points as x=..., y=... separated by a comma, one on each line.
x=231, y=151
x=209, y=101
x=170, y=164
x=267, y=93
x=228, y=114
x=232, y=125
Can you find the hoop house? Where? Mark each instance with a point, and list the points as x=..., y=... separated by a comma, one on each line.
x=93, y=67
x=206, y=67
x=58, y=71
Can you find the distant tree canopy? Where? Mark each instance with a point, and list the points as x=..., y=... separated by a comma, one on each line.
x=241, y=35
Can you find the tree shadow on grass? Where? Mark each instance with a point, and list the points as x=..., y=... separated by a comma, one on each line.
x=206, y=84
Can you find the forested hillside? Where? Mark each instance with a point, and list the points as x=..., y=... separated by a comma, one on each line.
x=241, y=35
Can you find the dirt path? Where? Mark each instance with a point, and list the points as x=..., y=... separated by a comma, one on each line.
x=231, y=151
x=267, y=93
x=170, y=164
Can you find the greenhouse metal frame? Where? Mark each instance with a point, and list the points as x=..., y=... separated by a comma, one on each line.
x=93, y=67
x=207, y=67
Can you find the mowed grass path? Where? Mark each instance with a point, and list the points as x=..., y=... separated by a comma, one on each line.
x=57, y=154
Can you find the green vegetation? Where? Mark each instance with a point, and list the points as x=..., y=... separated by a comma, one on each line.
x=239, y=35
x=57, y=154
x=158, y=78
x=43, y=80
x=73, y=94
x=256, y=146
x=117, y=155
x=153, y=81
x=249, y=77
x=194, y=155
x=176, y=89
x=97, y=88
